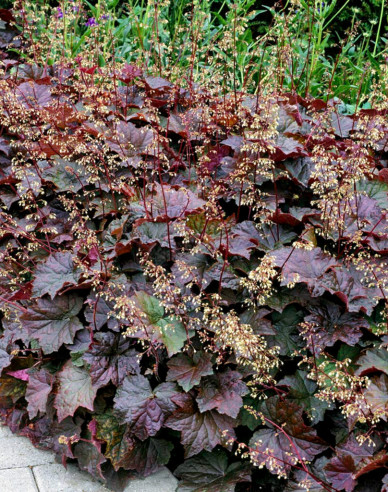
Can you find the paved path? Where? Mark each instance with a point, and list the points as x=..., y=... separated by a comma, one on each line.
x=24, y=468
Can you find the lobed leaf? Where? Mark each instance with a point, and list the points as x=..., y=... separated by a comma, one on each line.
x=210, y=472
x=53, y=322
x=144, y=409
x=53, y=274
x=200, y=431
x=75, y=390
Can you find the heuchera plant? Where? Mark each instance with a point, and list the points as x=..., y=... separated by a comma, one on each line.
x=193, y=280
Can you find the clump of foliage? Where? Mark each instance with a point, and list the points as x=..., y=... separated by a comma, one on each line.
x=193, y=279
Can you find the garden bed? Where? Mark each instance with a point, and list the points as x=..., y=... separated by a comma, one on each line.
x=193, y=279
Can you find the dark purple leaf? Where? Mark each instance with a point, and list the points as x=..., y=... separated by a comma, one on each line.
x=127, y=452
x=243, y=238
x=144, y=409
x=372, y=361
x=30, y=182
x=286, y=147
x=302, y=265
x=342, y=124
x=148, y=456
x=256, y=318
x=341, y=471
x=210, y=472
x=348, y=284
x=5, y=146
x=110, y=359
x=328, y=324
x=70, y=429
x=15, y=419
x=313, y=481
x=157, y=84
x=376, y=397
x=97, y=313
x=88, y=452
x=39, y=433
x=153, y=232
x=176, y=125
x=80, y=345
x=51, y=275
x=5, y=357
x=187, y=371
x=179, y=202
x=360, y=214
x=300, y=169
x=39, y=386
x=235, y=142
x=75, y=390
x=217, y=273
x=198, y=264
x=89, y=458
x=286, y=334
x=128, y=141
x=274, y=236
x=283, y=297
x=286, y=440
x=200, y=430
x=33, y=95
x=129, y=72
x=223, y=391
x=353, y=460
x=53, y=323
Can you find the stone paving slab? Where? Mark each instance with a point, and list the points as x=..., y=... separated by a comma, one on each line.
x=25, y=468
x=17, y=479
x=17, y=451
x=50, y=478
x=162, y=481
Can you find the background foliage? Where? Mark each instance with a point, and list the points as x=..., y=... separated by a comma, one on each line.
x=337, y=48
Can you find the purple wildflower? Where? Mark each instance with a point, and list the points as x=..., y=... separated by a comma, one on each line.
x=91, y=22
x=59, y=13
x=105, y=17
